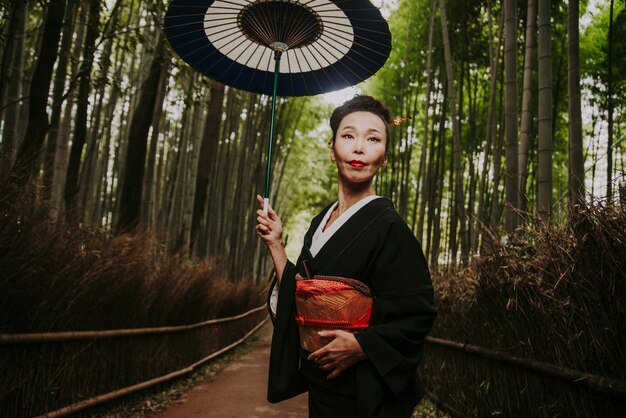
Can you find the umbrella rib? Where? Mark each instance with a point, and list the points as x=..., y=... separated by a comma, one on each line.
x=271, y=29
x=223, y=7
x=346, y=43
x=288, y=36
x=192, y=23
x=233, y=61
x=341, y=75
x=233, y=3
x=235, y=47
x=269, y=65
x=214, y=41
x=312, y=72
x=318, y=52
x=302, y=33
x=364, y=56
x=264, y=26
x=358, y=19
x=295, y=35
x=356, y=62
x=204, y=57
x=324, y=69
x=358, y=37
x=243, y=66
x=295, y=56
x=220, y=25
x=189, y=33
x=261, y=29
x=278, y=28
x=287, y=55
x=372, y=31
x=199, y=38
x=306, y=86
x=186, y=15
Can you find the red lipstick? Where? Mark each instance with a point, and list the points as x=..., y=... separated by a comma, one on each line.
x=357, y=163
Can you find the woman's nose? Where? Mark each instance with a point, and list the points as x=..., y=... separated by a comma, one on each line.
x=359, y=146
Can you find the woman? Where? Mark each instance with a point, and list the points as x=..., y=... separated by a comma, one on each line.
x=370, y=373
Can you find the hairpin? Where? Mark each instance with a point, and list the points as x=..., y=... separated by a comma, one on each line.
x=398, y=120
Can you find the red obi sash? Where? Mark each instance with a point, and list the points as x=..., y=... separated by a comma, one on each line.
x=330, y=302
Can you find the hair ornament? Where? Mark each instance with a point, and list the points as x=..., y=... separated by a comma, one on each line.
x=398, y=120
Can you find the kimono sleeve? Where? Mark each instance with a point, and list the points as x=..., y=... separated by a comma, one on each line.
x=285, y=380
x=403, y=310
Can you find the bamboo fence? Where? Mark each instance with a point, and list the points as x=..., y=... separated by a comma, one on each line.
x=548, y=304
x=56, y=374
x=466, y=380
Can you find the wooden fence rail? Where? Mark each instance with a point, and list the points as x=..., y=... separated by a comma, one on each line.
x=66, y=372
x=467, y=380
x=614, y=387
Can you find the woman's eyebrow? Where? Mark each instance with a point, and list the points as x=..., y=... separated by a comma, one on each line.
x=352, y=127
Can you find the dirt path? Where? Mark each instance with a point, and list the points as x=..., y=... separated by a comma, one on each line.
x=238, y=391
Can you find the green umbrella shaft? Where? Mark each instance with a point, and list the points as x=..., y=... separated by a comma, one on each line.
x=268, y=172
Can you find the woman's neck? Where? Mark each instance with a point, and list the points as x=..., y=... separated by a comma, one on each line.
x=351, y=193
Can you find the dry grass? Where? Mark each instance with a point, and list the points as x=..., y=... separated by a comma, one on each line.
x=553, y=294
x=57, y=278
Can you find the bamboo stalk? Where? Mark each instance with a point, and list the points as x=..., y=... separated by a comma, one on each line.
x=96, y=400
x=36, y=338
x=615, y=387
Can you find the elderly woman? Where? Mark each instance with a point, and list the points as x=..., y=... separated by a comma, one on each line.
x=360, y=240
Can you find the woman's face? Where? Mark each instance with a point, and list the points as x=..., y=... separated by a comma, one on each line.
x=359, y=149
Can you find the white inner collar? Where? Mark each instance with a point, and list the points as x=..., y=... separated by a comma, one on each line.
x=321, y=237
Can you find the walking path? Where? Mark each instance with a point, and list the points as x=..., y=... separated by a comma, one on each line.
x=239, y=390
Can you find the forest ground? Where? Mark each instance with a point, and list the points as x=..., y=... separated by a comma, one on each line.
x=233, y=386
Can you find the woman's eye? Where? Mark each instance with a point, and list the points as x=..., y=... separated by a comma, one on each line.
x=348, y=136
x=373, y=138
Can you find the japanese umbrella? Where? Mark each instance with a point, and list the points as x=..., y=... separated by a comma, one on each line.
x=280, y=47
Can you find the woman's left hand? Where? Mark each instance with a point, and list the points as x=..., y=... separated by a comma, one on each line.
x=342, y=352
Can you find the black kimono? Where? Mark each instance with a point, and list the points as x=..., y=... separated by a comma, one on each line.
x=374, y=246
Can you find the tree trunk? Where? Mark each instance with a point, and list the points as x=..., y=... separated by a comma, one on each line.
x=13, y=70
x=496, y=208
x=511, y=215
x=89, y=172
x=531, y=24
x=494, y=66
x=544, y=121
x=456, y=136
x=576, y=178
x=609, y=94
x=28, y=153
x=130, y=197
x=72, y=212
x=58, y=98
x=190, y=181
x=149, y=183
x=210, y=139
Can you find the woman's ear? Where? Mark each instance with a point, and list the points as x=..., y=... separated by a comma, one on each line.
x=384, y=161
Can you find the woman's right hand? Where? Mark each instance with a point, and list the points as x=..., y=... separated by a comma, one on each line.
x=269, y=227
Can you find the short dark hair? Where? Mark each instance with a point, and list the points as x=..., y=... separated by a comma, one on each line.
x=361, y=103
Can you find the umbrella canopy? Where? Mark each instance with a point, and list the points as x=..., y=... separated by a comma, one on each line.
x=325, y=45
x=280, y=47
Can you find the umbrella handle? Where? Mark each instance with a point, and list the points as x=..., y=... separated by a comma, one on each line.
x=266, y=204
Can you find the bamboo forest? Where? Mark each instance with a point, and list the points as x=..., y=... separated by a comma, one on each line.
x=131, y=267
